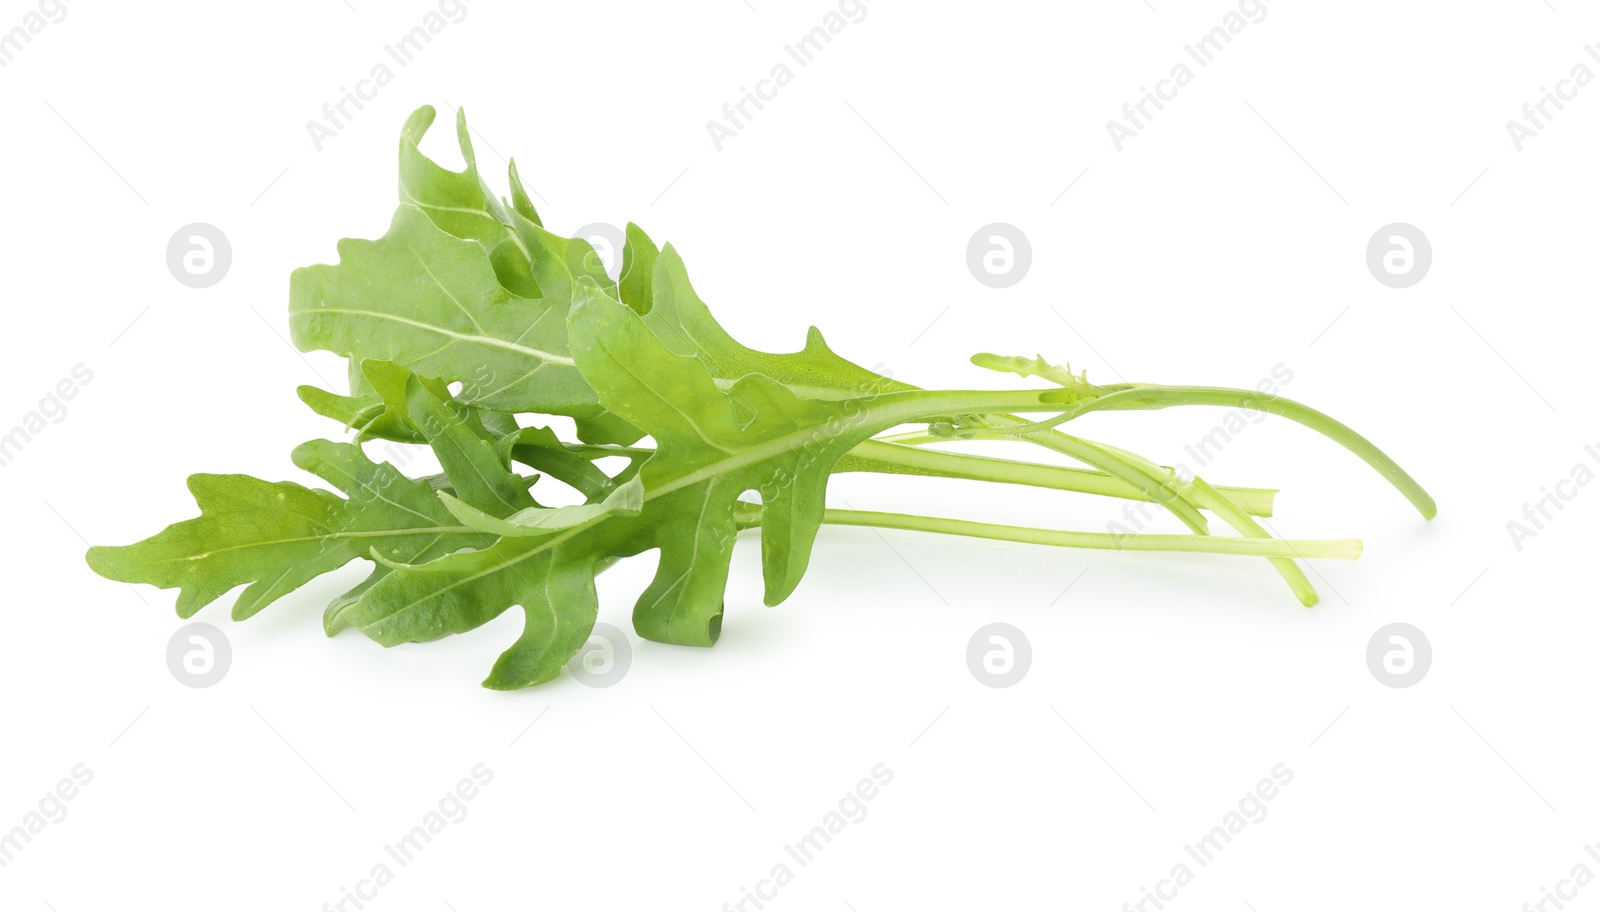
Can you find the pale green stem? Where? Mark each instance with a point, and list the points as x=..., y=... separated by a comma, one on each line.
x=1218, y=503
x=1156, y=483
x=881, y=455
x=1159, y=484
x=886, y=455
x=1198, y=492
x=749, y=515
x=1159, y=397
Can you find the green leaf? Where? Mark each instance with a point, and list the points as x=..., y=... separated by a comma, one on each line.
x=277, y=536
x=366, y=415
x=542, y=449
x=396, y=299
x=436, y=329
x=431, y=303
x=530, y=260
x=626, y=499
x=520, y=203
x=552, y=582
x=639, y=255
x=381, y=412
x=461, y=203
x=476, y=472
x=700, y=430
x=684, y=324
x=333, y=619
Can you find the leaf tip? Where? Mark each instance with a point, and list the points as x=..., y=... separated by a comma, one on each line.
x=417, y=124
x=99, y=559
x=464, y=140
x=333, y=620
x=505, y=676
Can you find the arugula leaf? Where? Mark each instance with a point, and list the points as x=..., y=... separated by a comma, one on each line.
x=709, y=452
x=432, y=303
x=654, y=281
x=481, y=480
x=381, y=412
x=684, y=324
x=626, y=499
x=551, y=581
x=529, y=260
x=367, y=415
x=277, y=536
x=459, y=201
x=542, y=449
x=463, y=288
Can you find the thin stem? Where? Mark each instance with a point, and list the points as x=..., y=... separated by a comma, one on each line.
x=882, y=456
x=867, y=417
x=1230, y=513
x=749, y=515
x=1141, y=398
x=1157, y=484
x=1201, y=494
x=1160, y=485
x=899, y=455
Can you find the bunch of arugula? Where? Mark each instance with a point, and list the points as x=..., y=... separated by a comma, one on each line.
x=468, y=324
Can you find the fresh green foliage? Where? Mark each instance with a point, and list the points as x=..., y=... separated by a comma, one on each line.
x=278, y=536
x=469, y=324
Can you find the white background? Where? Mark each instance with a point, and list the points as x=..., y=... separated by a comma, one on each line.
x=1222, y=241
